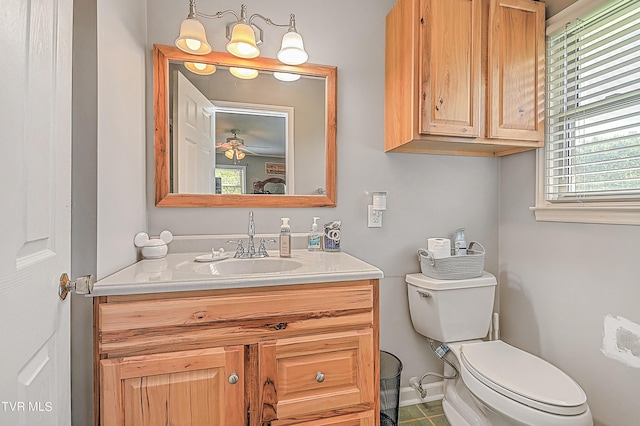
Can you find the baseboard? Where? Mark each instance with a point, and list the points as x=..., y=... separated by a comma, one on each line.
x=410, y=396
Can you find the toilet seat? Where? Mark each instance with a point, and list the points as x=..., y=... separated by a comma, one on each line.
x=522, y=377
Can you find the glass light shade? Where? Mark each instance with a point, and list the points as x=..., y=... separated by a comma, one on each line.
x=244, y=73
x=292, y=49
x=193, y=38
x=229, y=154
x=239, y=154
x=243, y=42
x=286, y=76
x=200, y=68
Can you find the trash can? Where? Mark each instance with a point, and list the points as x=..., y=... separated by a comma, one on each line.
x=390, y=370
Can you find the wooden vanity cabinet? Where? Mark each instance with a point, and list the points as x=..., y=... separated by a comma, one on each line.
x=283, y=355
x=465, y=77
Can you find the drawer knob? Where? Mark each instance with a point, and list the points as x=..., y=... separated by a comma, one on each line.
x=319, y=377
x=233, y=378
x=280, y=326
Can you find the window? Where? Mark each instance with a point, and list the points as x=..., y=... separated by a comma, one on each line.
x=231, y=179
x=589, y=170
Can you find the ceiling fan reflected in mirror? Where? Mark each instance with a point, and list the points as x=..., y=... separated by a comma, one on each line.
x=234, y=148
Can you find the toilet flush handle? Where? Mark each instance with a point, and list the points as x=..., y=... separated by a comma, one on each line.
x=424, y=294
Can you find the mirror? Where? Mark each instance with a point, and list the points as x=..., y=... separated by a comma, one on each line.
x=258, y=143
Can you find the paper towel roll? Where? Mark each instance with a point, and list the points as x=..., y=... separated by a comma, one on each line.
x=440, y=247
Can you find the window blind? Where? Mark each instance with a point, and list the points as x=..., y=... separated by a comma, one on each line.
x=592, y=149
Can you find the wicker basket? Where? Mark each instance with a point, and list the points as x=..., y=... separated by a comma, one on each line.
x=459, y=267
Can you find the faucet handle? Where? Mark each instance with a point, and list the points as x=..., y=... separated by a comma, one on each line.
x=239, y=249
x=262, y=250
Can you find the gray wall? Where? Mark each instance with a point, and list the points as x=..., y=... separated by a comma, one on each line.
x=84, y=204
x=108, y=182
x=558, y=281
x=428, y=195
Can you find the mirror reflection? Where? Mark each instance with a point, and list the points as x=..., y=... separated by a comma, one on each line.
x=228, y=135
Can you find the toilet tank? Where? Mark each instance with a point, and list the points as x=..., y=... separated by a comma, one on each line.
x=451, y=310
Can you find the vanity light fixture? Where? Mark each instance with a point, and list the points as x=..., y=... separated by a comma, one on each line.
x=241, y=35
x=286, y=76
x=200, y=68
x=244, y=73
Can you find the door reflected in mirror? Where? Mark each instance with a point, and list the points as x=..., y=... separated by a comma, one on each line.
x=229, y=138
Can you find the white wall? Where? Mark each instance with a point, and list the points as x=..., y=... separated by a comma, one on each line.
x=428, y=195
x=558, y=281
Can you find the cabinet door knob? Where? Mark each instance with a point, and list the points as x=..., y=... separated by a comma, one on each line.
x=233, y=378
x=280, y=326
x=319, y=377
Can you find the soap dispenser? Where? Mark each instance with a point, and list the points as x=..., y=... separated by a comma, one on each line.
x=315, y=236
x=460, y=242
x=285, y=238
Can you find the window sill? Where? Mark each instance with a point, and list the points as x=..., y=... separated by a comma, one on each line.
x=627, y=214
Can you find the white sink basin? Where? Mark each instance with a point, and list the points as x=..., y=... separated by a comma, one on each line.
x=266, y=265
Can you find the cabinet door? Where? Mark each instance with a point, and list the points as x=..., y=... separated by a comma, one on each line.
x=450, y=67
x=180, y=388
x=315, y=377
x=516, y=70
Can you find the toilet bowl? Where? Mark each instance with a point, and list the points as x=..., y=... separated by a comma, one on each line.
x=492, y=382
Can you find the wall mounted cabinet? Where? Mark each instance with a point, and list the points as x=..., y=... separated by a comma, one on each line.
x=282, y=355
x=465, y=77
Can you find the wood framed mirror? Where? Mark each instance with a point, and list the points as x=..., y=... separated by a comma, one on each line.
x=224, y=119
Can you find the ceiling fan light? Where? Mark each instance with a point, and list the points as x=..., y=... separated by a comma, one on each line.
x=243, y=42
x=244, y=73
x=200, y=68
x=229, y=154
x=193, y=37
x=239, y=154
x=292, y=49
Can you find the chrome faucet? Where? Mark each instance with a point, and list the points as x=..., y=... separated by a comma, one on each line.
x=251, y=252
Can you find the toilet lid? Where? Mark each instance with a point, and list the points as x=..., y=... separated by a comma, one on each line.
x=523, y=377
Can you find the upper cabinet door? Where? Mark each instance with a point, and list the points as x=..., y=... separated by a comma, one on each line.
x=450, y=67
x=516, y=77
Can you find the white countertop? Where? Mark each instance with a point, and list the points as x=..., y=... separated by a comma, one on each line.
x=180, y=272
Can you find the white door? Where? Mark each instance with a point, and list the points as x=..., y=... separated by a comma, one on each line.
x=35, y=182
x=196, y=153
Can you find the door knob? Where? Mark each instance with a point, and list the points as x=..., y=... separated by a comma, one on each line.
x=82, y=285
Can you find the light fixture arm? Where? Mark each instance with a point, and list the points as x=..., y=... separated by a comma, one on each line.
x=217, y=14
x=291, y=25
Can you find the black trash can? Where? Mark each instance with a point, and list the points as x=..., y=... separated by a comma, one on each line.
x=390, y=370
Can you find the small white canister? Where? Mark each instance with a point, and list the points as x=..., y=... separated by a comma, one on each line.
x=154, y=248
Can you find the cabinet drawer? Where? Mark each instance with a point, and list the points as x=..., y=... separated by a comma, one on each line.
x=145, y=326
x=316, y=375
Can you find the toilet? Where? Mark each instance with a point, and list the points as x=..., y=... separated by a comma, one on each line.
x=489, y=382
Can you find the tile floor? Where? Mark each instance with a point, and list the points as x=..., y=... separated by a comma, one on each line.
x=426, y=414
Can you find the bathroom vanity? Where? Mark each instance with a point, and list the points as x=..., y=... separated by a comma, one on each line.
x=238, y=342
